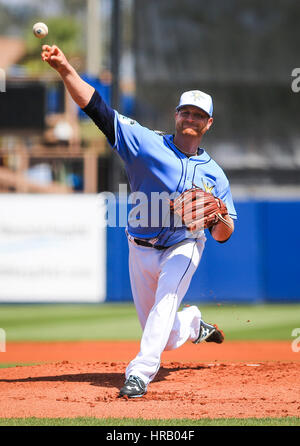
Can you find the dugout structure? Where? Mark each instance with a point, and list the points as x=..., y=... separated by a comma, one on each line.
x=29, y=113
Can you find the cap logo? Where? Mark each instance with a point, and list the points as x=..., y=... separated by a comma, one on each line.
x=196, y=95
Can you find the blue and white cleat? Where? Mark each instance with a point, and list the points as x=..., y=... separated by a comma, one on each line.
x=209, y=333
x=134, y=387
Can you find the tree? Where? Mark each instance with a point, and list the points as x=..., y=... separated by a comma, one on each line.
x=64, y=32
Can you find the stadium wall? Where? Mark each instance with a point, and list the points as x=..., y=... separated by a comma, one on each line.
x=56, y=248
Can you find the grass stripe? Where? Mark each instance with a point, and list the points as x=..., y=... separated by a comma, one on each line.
x=69, y=322
x=61, y=322
x=81, y=421
x=6, y=365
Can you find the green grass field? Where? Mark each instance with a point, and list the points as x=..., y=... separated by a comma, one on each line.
x=59, y=322
x=81, y=421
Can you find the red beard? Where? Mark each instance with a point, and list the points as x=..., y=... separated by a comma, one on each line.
x=190, y=131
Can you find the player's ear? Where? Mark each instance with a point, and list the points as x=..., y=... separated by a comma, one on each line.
x=209, y=123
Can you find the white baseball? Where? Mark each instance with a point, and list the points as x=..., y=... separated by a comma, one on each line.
x=40, y=30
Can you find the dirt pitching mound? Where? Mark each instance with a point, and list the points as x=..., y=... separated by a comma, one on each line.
x=208, y=381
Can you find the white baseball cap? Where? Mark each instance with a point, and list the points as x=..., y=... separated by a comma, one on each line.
x=198, y=99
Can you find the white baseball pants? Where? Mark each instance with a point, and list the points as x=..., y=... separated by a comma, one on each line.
x=159, y=282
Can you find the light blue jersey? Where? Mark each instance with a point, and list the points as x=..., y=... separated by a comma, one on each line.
x=155, y=165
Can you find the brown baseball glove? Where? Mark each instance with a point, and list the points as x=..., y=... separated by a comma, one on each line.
x=198, y=209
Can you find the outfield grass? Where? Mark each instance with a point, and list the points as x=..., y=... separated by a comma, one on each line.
x=80, y=421
x=59, y=322
x=7, y=365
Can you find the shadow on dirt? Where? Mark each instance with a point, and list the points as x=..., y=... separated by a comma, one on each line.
x=110, y=379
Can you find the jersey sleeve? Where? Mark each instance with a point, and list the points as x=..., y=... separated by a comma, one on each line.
x=226, y=196
x=129, y=135
x=102, y=115
x=224, y=192
x=123, y=134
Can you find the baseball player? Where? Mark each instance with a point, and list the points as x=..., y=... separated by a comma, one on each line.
x=162, y=258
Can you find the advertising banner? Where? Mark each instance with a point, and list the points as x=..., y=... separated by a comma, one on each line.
x=52, y=248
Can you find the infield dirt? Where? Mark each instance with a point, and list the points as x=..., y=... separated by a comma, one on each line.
x=235, y=379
